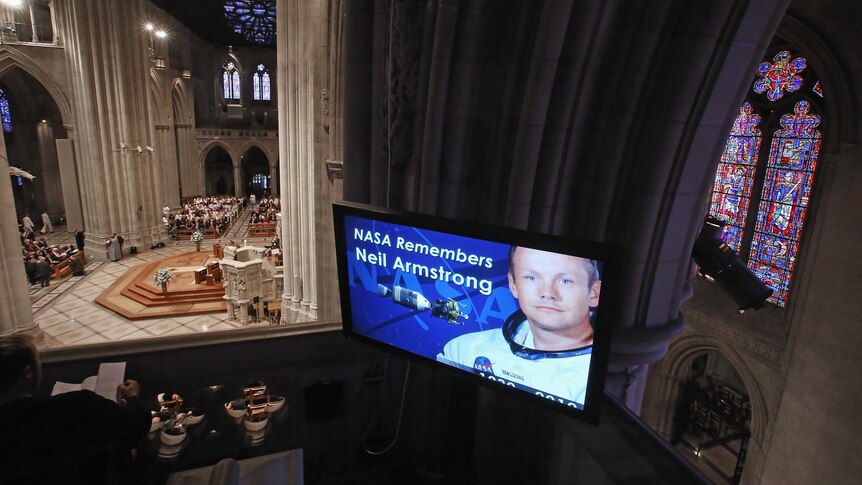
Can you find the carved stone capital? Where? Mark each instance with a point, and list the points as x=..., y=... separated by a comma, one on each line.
x=334, y=170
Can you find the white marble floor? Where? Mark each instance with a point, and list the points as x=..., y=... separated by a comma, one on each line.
x=67, y=315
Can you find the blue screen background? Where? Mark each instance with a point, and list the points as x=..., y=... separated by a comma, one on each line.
x=382, y=319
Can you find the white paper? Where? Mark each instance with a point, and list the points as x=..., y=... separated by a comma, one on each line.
x=111, y=375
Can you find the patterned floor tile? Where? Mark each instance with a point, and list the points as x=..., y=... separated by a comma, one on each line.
x=74, y=336
x=119, y=331
x=51, y=321
x=162, y=327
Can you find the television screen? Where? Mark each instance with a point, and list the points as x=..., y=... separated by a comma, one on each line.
x=526, y=312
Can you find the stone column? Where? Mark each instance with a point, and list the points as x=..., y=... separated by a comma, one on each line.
x=50, y=169
x=274, y=175
x=35, y=35
x=190, y=177
x=237, y=180
x=296, y=152
x=17, y=314
x=165, y=155
x=69, y=183
x=108, y=52
x=54, y=32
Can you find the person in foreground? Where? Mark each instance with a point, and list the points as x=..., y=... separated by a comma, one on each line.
x=545, y=345
x=75, y=437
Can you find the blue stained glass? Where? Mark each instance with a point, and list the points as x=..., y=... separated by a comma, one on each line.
x=235, y=82
x=230, y=81
x=793, y=157
x=5, y=115
x=772, y=244
x=731, y=191
x=260, y=84
x=226, y=85
x=780, y=75
x=253, y=19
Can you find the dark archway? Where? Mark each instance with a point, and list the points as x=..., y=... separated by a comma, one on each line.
x=218, y=172
x=36, y=124
x=712, y=421
x=256, y=177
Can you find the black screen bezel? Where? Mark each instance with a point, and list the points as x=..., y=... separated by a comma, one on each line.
x=609, y=254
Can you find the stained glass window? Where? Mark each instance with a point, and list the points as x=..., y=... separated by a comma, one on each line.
x=763, y=181
x=779, y=76
x=260, y=84
x=260, y=180
x=786, y=189
x=253, y=19
x=5, y=115
x=230, y=81
x=731, y=191
x=818, y=90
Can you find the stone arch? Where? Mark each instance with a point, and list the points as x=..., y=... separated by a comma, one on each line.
x=249, y=167
x=11, y=58
x=160, y=103
x=209, y=146
x=220, y=176
x=677, y=362
x=266, y=151
x=183, y=100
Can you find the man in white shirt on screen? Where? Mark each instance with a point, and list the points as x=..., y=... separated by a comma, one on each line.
x=546, y=345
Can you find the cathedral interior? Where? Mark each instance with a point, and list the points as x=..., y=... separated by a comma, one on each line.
x=621, y=122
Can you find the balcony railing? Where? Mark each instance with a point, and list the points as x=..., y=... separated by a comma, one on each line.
x=26, y=33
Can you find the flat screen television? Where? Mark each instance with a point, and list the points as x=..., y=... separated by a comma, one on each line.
x=527, y=313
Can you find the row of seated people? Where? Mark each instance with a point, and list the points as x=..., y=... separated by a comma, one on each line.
x=43, y=261
x=264, y=217
x=210, y=215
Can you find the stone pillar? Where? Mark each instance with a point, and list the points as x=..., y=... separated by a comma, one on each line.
x=165, y=155
x=49, y=167
x=119, y=185
x=17, y=314
x=190, y=176
x=296, y=152
x=54, y=32
x=35, y=35
x=274, y=175
x=237, y=180
x=69, y=182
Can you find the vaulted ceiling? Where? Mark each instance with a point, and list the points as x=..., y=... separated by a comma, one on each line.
x=207, y=19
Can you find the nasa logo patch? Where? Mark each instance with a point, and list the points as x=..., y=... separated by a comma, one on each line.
x=483, y=364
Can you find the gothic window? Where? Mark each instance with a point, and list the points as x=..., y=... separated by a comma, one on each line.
x=260, y=84
x=5, y=115
x=766, y=172
x=230, y=81
x=260, y=180
x=253, y=19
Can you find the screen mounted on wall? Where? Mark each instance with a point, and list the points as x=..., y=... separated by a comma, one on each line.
x=527, y=313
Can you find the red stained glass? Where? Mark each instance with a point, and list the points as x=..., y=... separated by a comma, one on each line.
x=731, y=191
x=793, y=157
x=780, y=75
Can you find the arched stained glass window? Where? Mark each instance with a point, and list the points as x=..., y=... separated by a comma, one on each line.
x=5, y=115
x=260, y=84
x=260, y=180
x=763, y=182
x=230, y=81
x=731, y=191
